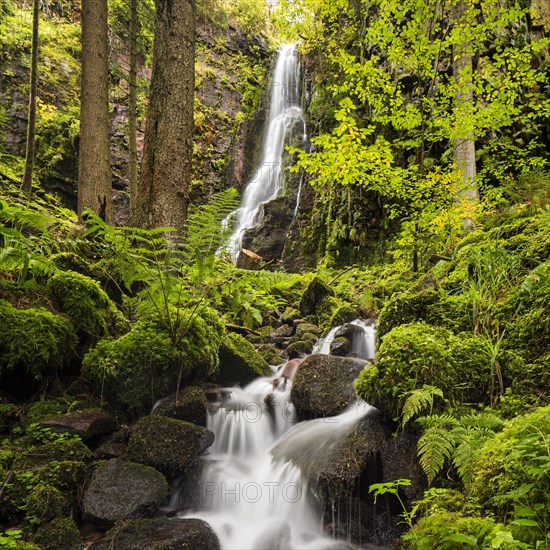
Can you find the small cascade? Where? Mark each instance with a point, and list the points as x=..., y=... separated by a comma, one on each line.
x=254, y=492
x=284, y=113
x=362, y=335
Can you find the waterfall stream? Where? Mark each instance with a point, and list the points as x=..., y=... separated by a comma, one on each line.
x=254, y=491
x=267, y=182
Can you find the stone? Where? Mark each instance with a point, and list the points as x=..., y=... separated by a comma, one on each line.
x=171, y=446
x=317, y=291
x=323, y=385
x=122, y=490
x=190, y=406
x=160, y=534
x=86, y=424
x=114, y=446
x=340, y=346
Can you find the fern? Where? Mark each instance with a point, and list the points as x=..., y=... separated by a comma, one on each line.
x=418, y=400
x=434, y=449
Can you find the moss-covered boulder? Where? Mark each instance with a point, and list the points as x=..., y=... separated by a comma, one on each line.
x=121, y=490
x=411, y=356
x=323, y=385
x=145, y=365
x=171, y=446
x=44, y=504
x=190, y=405
x=240, y=363
x=299, y=348
x=160, y=534
x=85, y=303
x=58, y=533
x=317, y=291
x=85, y=424
x=34, y=340
x=343, y=314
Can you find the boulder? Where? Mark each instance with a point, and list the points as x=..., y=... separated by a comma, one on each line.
x=171, y=446
x=86, y=424
x=323, y=385
x=123, y=490
x=298, y=348
x=160, y=534
x=190, y=406
x=114, y=446
x=314, y=294
x=240, y=363
x=340, y=346
x=303, y=328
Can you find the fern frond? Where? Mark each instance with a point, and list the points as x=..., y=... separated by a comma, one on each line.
x=418, y=400
x=435, y=447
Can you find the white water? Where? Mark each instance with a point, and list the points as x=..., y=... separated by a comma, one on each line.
x=267, y=182
x=363, y=340
x=254, y=494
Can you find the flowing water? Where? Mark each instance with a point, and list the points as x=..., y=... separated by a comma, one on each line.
x=363, y=339
x=253, y=489
x=284, y=112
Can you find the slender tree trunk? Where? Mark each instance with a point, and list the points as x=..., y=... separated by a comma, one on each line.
x=132, y=108
x=31, y=127
x=464, y=143
x=166, y=168
x=94, y=177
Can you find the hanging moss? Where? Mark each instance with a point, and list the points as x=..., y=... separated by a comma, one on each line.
x=34, y=339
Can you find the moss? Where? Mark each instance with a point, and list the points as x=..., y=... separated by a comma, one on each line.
x=137, y=369
x=436, y=530
x=190, y=406
x=44, y=504
x=240, y=363
x=169, y=445
x=315, y=293
x=84, y=302
x=412, y=355
x=44, y=409
x=8, y=417
x=300, y=347
x=34, y=339
x=343, y=314
x=58, y=533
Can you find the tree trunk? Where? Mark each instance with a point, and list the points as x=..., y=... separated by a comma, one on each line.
x=166, y=169
x=464, y=143
x=94, y=177
x=31, y=127
x=132, y=108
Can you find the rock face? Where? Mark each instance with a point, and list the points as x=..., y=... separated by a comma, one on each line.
x=323, y=385
x=169, y=445
x=239, y=361
x=160, y=534
x=86, y=424
x=123, y=490
x=190, y=406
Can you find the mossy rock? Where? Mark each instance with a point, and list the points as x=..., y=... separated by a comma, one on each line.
x=44, y=409
x=323, y=385
x=240, y=363
x=85, y=303
x=303, y=328
x=314, y=294
x=87, y=424
x=35, y=340
x=298, y=348
x=8, y=417
x=160, y=534
x=411, y=356
x=44, y=504
x=190, y=406
x=270, y=354
x=289, y=315
x=55, y=451
x=58, y=533
x=343, y=314
x=121, y=490
x=171, y=446
x=144, y=365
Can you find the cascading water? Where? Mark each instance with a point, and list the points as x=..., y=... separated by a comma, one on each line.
x=284, y=113
x=253, y=490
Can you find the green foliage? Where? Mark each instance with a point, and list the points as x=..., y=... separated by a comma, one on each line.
x=418, y=400
x=392, y=488
x=35, y=340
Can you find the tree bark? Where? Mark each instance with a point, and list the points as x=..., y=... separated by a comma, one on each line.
x=132, y=108
x=31, y=127
x=166, y=168
x=94, y=177
x=464, y=143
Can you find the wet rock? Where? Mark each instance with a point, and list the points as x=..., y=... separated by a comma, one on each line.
x=190, y=406
x=216, y=394
x=160, y=534
x=340, y=346
x=300, y=348
x=323, y=385
x=317, y=291
x=121, y=490
x=303, y=328
x=114, y=446
x=169, y=445
x=86, y=424
x=284, y=331
x=240, y=363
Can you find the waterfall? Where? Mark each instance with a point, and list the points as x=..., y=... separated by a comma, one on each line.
x=253, y=489
x=267, y=183
x=362, y=335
